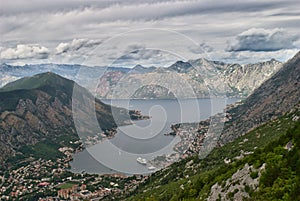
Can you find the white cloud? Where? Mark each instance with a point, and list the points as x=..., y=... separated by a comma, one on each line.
x=263, y=40
x=25, y=51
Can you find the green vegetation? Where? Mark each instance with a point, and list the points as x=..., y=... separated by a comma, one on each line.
x=46, y=149
x=281, y=178
x=10, y=99
x=38, y=81
x=67, y=185
x=254, y=174
x=29, y=87
x=36, y=195
x=279, y=181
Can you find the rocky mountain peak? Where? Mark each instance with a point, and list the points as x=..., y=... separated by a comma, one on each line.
x=138, y=66
x=139, y=69
x=181, y=66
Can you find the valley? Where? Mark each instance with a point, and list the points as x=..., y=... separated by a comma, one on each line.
x=149, y=100
x=39, y=109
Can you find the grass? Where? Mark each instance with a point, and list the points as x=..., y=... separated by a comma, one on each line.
x=67, y=185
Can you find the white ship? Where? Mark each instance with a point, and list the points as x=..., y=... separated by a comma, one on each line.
x=141, y=161
x=151, y=168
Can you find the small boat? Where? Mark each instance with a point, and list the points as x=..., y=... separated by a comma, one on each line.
x=151, y=168
x=141, y=161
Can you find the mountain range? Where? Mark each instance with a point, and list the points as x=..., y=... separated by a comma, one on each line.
x=193, y=79
x=199, y=78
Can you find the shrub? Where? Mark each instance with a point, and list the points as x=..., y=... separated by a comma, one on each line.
x=254, y=175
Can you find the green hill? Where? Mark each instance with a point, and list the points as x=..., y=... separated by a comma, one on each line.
x=38, y=109
x=39, y=81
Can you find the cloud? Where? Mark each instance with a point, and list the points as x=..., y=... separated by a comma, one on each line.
x=76, y=45
x=56, y=23
x=143, y=54
x=136, y=9
x=263, y=40
x=138, y=53
x=246, y=57
x=201, y=48
x=25, y=51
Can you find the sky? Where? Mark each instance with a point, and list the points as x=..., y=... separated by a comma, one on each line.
x=152, y=32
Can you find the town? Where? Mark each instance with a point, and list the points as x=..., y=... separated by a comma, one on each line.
x=51, y=180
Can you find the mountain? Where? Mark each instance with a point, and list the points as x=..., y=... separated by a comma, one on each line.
x=75, y=72
x=39, y=108
x=273, y=98
x=195, y=78
x=259, y=158
x=181, y=67
x=234, y=79
x=153, y=92
x=199, y=78
x=13, y=73
x=139, y=69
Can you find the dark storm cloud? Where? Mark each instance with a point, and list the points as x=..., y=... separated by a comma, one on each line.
x=263, y=40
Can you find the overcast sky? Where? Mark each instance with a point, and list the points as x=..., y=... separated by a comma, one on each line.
x=152, y=32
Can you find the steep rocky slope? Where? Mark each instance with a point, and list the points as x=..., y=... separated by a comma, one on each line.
x=273, y=98
x=38, y=108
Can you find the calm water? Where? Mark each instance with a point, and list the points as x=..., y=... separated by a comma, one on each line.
x=145, y=138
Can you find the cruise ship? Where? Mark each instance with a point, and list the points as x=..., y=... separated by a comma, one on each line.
x=142, y=161
x=151, y=168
